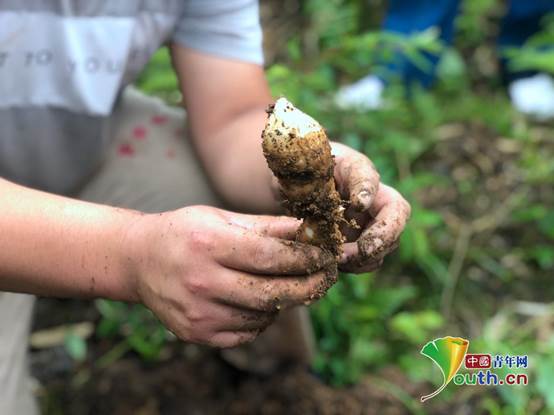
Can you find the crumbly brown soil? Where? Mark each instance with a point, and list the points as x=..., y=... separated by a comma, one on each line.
x=191, y=380
x=194, y=380
x=197, y=381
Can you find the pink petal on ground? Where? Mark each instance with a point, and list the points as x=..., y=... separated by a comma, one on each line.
x=170, y=153
x=125, y=150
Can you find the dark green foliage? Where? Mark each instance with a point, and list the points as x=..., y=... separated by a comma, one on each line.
x=140, y=331
x=538, y=51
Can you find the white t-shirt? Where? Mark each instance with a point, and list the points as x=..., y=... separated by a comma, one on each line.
x=63, y=64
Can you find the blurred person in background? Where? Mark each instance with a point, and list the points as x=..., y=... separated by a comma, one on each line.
x=531, y=93
x=85, y=162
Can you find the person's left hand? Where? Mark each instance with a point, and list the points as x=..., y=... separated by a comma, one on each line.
x=380, y=211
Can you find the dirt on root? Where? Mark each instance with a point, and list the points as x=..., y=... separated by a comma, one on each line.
x=304, y=167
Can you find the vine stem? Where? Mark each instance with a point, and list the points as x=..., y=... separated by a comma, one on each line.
x=455, y=268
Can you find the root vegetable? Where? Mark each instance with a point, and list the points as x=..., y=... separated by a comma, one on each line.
x=298, y=153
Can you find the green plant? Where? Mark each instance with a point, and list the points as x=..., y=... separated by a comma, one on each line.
x=474, y=21
x=537, y=53
x=134, y=326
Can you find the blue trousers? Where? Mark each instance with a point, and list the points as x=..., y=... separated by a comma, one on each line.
x=407, y=16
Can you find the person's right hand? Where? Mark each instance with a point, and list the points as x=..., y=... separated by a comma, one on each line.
x=219, y=278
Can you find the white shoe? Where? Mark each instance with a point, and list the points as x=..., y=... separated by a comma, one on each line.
x=365, y=94
x=534, y=96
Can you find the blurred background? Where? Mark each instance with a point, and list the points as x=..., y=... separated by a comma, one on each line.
x=442, y=117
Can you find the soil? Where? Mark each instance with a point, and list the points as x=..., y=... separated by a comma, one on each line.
x=189, y=379
x=195, y=380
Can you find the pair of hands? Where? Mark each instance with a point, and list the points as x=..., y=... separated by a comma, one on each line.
x=220, y=278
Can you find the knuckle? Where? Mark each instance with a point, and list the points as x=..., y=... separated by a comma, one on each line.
x=198, y=322
x=195, y=318
x=197, y=285
x=201, y=240
x=308, y=258
x=263, y=256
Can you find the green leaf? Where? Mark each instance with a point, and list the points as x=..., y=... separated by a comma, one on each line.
x=544, y=255
x=416, y=327
x=391, y=299
x=545, y=381
x=531, y=213
x=76, y=346
x=451, y=65
x=108, y=328
x=546, y=224
x=427, y=218
x=110, y=309
x=365, y=351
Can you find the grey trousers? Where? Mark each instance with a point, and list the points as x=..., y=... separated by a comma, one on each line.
x=151, y=167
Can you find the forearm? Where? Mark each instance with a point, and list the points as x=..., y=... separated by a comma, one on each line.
x=239, y=171
x=226, y=102
x=56, y=246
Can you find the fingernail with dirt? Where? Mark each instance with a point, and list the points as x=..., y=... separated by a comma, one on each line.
x=371, y=247
x=364, y=200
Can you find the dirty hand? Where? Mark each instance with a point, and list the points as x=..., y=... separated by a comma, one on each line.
x=379, y=209
x=219, y=278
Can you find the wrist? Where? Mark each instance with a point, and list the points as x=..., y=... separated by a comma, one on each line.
x=129, y=234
